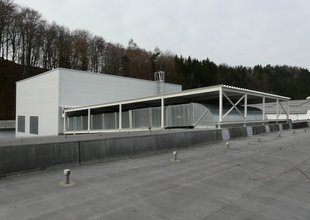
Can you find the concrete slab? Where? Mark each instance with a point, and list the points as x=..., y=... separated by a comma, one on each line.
x=266, y=179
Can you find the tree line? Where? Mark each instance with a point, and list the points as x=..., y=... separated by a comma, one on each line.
x=26, y=38
x=282, y=80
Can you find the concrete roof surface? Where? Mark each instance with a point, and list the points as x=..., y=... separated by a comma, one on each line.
x=269, y=179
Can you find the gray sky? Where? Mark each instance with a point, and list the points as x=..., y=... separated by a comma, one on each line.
x=235, y=32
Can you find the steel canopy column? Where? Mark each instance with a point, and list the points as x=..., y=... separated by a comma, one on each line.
x=162, y=115
x=220, y=105
x=277, y=109
x=288, y=110
x=88, y=120
x=65, y=121
x=130, y=118
x=246, y=106
x=120, y=117
x=264, y=107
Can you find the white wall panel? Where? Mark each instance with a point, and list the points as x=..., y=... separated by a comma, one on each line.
x=39, y=96
x=79, y=88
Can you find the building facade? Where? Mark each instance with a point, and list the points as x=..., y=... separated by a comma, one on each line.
x=40, y=100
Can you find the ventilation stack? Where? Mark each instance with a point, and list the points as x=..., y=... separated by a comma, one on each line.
x=160, y=79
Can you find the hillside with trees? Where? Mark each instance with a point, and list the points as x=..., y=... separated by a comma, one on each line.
x=30, y=45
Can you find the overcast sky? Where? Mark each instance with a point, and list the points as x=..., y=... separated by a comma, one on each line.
x=235, y=32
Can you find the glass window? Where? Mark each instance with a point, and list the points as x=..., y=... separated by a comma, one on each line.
x=34, y=124
x=21, y=123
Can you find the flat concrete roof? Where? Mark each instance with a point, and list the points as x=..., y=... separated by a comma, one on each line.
x=266, y=179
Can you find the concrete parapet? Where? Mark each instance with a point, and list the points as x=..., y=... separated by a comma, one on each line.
x=32, y=157
x=238, y=132
x=280, y=127
x=274, y=127
x=249, y=131
x=285, y=126
x=225, y=134
x=300, y=124
x=258, y=129
x=22, y=157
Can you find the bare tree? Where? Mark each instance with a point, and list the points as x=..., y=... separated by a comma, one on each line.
x=31, y=41
x=14, y=34
x=50, y=58
x=6, y=9
x=80, y=57
x=96, y=53
x=64, y=47
x=166, y=62
x=31, y=30
x=113, y=59
x=138, y=62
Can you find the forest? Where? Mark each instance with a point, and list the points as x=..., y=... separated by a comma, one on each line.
x=30, y=45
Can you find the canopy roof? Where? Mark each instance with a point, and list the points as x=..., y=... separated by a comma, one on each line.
x=208, y=95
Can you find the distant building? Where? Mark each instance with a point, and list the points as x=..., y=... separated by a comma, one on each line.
x=40, y=100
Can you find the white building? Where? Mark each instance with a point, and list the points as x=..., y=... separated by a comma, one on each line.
x=40, y=100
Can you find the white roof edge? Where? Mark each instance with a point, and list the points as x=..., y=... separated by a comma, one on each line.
x=111, y=75
x=256, y=92
x=178, y=94
x=68, y=106
x=39, y=75
x=93, y=73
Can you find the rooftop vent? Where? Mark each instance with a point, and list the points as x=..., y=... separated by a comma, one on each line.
x=160, y=79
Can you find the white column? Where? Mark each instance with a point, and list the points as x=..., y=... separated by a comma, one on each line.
x=288, y=110
x=65, y=121
x=162, y=115
x=220, y=105
x=130, y=118
x=120, y=117
x=264, y=107
x=246, y=106
x=88, y=120
x=277, y=109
